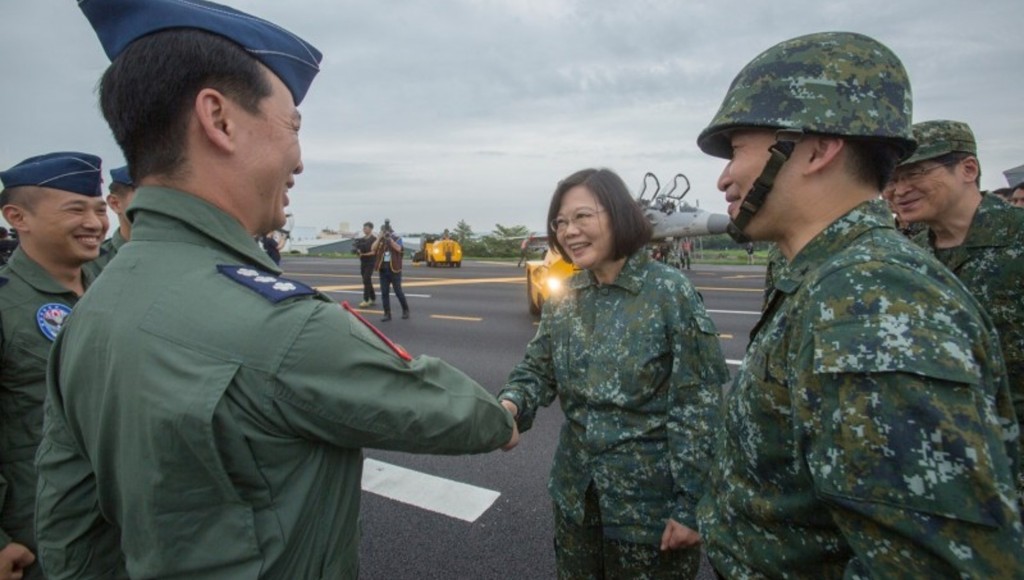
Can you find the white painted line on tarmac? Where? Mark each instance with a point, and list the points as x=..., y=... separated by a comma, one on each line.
x=733, y=362
x=437, y=494
x=735, y=312
x=336, y=290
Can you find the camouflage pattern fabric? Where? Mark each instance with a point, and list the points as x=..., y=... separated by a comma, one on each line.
x=869, y=431
x=990, y=263
x=834, y=83
x=583, y=553
x=776, y=262
x=638, y=371
x=941, y=137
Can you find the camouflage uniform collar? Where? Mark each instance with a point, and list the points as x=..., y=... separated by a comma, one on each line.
x=631, y=278
x=832, y=240
x=35, y=276
x=994, y=225
x=201, y=222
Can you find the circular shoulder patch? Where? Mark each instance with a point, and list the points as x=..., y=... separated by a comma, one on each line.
x=50, y=317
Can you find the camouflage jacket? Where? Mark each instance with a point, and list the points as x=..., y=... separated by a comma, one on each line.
x=638, y=370
x=990, y=263
x=870, y=429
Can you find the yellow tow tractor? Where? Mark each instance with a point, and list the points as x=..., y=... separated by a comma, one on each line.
x=439, y=252
x=546, y=279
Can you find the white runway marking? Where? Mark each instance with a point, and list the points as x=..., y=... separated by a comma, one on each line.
x=437, y=494
x=733, y=362
x=360, y=292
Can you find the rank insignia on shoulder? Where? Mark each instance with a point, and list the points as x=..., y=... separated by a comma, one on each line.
x=50, y=318
x=265, y=284
x=401, y=352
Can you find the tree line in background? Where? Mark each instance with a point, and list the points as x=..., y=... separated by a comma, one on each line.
x=506, y=241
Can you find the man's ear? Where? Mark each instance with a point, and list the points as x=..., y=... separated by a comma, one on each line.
x=213, y=114
x=15, y=215
x=824, y=151
x=971, y=168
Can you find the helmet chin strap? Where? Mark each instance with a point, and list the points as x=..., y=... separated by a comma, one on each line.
x=785, y=141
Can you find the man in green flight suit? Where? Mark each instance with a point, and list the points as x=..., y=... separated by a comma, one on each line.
x=870, y=431
x=205, y=416
x=54, y=202
x=122, y=190
x=976, y=235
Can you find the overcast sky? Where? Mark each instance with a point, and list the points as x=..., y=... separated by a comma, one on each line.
x=429, y=112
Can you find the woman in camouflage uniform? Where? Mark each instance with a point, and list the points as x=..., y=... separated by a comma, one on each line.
x=634, y=360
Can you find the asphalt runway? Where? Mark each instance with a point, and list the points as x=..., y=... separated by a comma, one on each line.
x=476, y=317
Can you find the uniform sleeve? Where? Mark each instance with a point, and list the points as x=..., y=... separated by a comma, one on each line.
x=340, y=383
x=74, y=540
x=5, y=538
x=904, y=443
x=531, y=384
x=698, y=372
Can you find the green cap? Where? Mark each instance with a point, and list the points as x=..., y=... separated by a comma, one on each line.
x=831, y=83
x=937, y=138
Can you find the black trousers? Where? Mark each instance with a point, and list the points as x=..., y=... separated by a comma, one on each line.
x=388, y=279
x=366, y=270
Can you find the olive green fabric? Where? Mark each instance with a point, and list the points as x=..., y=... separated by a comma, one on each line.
x=24, y=348
x=195, y=429
x=832, y=83
x=108, y=249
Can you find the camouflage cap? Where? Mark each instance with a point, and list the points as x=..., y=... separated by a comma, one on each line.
x=832, y=83
x=937, y=138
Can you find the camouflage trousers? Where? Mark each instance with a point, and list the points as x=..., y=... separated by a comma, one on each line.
x=582, y=552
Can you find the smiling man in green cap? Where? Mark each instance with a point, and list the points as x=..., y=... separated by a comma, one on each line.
x=975, y=234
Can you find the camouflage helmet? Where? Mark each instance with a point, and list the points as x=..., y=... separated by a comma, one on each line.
x=938, y=138
x=831, y=83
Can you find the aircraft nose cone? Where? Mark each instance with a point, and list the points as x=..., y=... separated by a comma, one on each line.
x=717, y=223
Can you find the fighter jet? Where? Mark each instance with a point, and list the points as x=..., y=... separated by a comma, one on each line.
x=674, y=218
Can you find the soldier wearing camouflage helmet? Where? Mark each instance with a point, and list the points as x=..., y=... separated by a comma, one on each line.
x=974, y=234
x=870, y=430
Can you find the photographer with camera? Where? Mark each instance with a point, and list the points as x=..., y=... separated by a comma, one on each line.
x=364, y=248
x=388, y=250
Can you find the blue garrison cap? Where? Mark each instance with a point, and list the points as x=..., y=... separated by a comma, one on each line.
x=121, y=175
x=65, y=170
x=118, y=23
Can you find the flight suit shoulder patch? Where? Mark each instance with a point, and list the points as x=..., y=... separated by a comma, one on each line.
x=3, y=280
x=267, y=285
x=395, y=348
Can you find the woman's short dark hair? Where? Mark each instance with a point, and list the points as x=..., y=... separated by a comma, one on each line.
x=147, y=92
x=629, y=226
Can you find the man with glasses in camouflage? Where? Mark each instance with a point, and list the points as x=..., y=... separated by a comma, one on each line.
x=869, y=431
x=974, y=234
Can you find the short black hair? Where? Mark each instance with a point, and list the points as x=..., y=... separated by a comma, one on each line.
x=148, y=91
x=872, y=162
x=368, y=225
x=18, y=196
x=630, y=229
